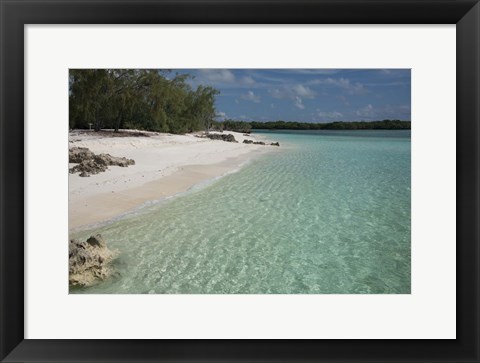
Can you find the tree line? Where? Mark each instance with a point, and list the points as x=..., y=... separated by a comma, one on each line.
x=241, y=126
x=146, y=99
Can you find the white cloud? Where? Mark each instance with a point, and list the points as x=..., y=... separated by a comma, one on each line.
x=220, y=116
x=344, y=100
x=251, y=96
x=329, y=115
x=303, y=91
x=277, y=93
x=387, y=111
x=295, y=93
x=367, y=111
x=343, y=83
x=225, y=78
x=298, y=103
x=218, y=75
x=248, y=80
x=298, y=90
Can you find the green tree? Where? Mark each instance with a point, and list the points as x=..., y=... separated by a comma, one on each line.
x=145, y=99
x=204, y=106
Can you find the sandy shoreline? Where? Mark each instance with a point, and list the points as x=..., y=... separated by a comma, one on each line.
x=165, y=165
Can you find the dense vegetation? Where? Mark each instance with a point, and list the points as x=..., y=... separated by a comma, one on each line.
x=138, y=99
x=232, y=125
x=283, y=125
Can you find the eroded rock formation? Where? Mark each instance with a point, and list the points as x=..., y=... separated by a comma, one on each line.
x=89, y=262
x=224, y=137
x=89, y=163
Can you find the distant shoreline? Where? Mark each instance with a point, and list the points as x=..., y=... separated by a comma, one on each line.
x=338, y=125
x=260, y=130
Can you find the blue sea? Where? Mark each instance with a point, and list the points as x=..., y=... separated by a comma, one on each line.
x=329, y=213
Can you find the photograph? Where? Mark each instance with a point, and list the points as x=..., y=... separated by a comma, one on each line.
x=239, y=181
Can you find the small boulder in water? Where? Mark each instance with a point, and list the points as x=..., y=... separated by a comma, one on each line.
x=89, y=262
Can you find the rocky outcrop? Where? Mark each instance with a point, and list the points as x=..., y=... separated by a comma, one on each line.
x=253, y=142
x=89, y=262
x=89, y=163
x=259, y=142
x=224, y=137
x=79, y=154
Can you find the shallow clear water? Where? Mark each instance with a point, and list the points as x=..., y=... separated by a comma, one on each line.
x=329, y=213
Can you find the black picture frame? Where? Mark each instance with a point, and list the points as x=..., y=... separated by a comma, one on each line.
x=15, y=14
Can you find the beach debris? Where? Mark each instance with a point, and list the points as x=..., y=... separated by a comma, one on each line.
x=89, y=262
x=227, y=137
x=89, y=163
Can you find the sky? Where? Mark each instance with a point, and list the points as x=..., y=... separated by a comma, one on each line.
x=308, y=95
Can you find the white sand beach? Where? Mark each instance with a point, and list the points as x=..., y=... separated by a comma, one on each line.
x=165, y=164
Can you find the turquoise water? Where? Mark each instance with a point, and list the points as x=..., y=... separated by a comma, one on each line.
x=329, y=213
